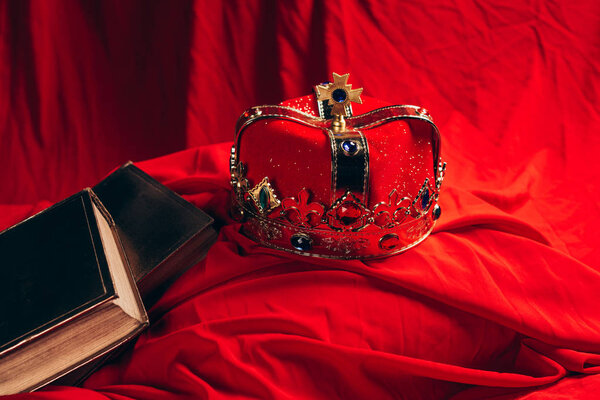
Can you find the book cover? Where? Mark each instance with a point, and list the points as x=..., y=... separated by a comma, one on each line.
x=162, y=233
x=65, y=289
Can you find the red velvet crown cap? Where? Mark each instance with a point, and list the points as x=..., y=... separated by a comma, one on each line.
x=294, y=156
x=291, y=157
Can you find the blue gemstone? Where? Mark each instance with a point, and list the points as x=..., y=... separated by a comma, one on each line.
x=425, y=199
x=338, y=95
x=349, y=146
x=437, y=211
x=301, y=242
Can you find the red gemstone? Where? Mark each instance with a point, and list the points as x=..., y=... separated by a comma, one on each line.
x=389, y=241
x=382, y=219
x=348, y=213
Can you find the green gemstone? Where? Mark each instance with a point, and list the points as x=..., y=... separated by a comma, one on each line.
x=263, y=198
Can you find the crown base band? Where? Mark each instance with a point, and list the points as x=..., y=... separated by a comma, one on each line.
x=337, y=245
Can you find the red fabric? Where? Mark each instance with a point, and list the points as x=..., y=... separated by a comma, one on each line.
x=500, y=302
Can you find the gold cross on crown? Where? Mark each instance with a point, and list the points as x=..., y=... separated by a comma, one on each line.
x=339, y=95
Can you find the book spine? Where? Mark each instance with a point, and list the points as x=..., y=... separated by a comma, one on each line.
x=101, y=207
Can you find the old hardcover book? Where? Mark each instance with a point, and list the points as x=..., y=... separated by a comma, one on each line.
x=66, y=293
x=162, y=233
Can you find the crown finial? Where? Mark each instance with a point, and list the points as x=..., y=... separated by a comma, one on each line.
x=338, y=94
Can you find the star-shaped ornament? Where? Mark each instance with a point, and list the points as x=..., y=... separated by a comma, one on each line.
x=338, y=94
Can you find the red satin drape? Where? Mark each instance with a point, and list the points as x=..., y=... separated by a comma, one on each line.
x=500, y=301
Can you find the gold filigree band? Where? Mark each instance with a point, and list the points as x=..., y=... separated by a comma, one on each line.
x=331, y=244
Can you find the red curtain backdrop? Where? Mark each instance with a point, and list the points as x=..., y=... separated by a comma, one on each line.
x=500, y=302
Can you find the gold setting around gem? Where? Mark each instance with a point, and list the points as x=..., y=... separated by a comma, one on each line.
x=270, y=198
x=347, y=153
